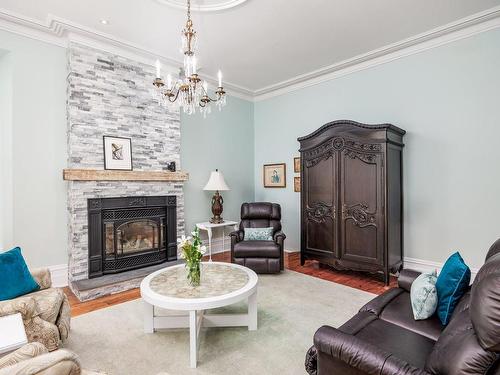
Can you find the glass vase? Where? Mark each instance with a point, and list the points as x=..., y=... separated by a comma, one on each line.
x=193, y=270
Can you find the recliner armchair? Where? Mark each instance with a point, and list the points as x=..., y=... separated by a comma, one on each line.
x=260, y=256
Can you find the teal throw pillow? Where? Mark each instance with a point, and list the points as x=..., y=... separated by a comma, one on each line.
x=258, y=234
x=423, y=296
x=15, y=278
x=452, y=283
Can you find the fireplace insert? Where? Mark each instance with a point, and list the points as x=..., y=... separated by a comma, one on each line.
x=131, y=232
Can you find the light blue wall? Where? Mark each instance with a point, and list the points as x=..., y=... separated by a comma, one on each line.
x=223, y=140
x=35, y=215
x=448, y=100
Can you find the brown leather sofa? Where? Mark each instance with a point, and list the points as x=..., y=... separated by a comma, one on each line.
x=383, y=338
x=260, y=256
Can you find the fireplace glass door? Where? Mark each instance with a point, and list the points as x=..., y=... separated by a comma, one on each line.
x=132, y=237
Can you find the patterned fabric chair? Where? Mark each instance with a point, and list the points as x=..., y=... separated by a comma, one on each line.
x=35, y=359
x=45, y=313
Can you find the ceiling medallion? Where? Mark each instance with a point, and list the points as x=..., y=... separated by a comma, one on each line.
x=187, y=91
x=205, y=6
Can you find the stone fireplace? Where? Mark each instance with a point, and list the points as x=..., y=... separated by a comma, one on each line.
x=126, y=233
x=108, y=94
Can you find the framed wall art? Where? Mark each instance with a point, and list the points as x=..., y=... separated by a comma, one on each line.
x=274, y=175
x=117, y=153
x=296, y=165
x=296, y=184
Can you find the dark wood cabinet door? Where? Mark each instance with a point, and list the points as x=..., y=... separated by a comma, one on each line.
x=320, y=205
x=361, y=200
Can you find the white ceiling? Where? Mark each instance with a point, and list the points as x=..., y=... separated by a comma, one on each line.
x=260, y=43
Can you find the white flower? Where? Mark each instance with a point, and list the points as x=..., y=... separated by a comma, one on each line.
x=181, y=255
x=203, y=249
x=193, y=233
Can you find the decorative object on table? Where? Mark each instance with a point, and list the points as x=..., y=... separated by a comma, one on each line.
x=171, y=166
x=117, y=153
x=258, y=234
x=423, y=296
x=216, y=183
x=192, y=251
x=296, y=184
x=452, y=283
x=208, y=226
x=188, y=88
x=46, y=312
x=15, y=278
x=261, y=256
x=274, y=175
x=296, y=164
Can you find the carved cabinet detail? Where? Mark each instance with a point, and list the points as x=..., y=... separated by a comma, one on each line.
x=351, y=196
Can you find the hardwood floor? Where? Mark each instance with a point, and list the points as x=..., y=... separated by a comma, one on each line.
x=362, y=281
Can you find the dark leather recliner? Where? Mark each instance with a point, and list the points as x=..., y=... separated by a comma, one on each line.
x=383, y=338
x=260, y=256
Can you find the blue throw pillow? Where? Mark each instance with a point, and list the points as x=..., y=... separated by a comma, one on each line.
x=15, y=278
x=423, y=296
x=258, y=234
x=451, y=285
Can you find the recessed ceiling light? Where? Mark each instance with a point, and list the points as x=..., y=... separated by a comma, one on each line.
x=104, y=22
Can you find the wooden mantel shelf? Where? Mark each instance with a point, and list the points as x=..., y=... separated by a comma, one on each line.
x=107, y=175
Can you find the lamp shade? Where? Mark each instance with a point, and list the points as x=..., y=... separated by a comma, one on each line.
x=216, y=182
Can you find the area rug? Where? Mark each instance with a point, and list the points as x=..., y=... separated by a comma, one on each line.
x=291, y=307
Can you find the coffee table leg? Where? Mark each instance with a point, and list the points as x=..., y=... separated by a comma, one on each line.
x=148, y=318
x=193, y=338
x=252, y=312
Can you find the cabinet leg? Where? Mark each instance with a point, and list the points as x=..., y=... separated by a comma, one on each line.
x=387, y=277
x=302, y=260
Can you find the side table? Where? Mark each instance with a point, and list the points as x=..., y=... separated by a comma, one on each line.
x=13, y=334
x=208, y=226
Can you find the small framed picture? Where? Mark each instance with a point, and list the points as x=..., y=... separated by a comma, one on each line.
x=296, y=165
x=117, y=153
x=296, y=184
x=274, y=175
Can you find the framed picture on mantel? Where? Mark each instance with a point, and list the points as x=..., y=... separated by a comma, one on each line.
x=275, y=175
x=117, y=153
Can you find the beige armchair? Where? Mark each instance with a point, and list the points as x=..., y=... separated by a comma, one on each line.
x=46, y=312
x=35, y=359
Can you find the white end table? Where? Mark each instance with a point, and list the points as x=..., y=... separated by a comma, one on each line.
x=13, y=334
x=208, y=226
x=222, y=284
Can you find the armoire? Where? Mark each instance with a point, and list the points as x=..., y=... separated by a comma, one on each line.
x=352, y=197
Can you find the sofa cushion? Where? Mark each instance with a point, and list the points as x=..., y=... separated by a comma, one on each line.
x=394, y=306
x=256, y=249
x=452, y=283
x=402, y=343
x=458, y=352
x=485, y=304
x=15, y=278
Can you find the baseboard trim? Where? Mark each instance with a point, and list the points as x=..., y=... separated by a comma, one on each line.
x=59, y=274
x=429, y=266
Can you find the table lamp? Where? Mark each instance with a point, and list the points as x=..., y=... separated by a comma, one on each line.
x=216, y=183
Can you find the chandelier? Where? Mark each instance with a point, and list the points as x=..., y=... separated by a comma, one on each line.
x=188, y=91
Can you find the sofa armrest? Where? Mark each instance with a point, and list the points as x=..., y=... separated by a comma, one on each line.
x=237, y=236
x=360, y=354
x=60, y=362
x=42, y=277
x=25, y=352
x=25, y=305
x=279, y=237
x=406, y=278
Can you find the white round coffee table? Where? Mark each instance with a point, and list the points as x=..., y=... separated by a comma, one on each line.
x=222, y=284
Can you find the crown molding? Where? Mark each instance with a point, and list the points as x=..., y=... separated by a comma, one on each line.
x=60, y=32
x=463, y=28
